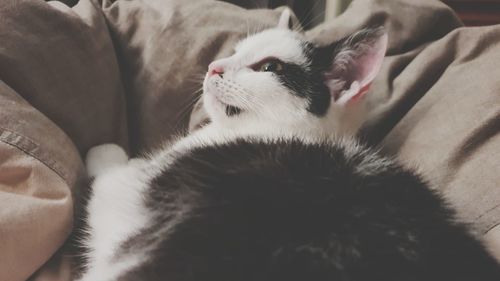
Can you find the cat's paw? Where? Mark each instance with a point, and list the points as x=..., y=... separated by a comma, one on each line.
x=102, y=157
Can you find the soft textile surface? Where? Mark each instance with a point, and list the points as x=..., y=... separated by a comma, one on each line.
x=60, y=94
x=127, y=72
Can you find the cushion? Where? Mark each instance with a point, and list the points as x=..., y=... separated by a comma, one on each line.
x=60, y=93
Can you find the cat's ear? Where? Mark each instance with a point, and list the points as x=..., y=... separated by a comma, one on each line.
x=285, y=19
x=355, y=62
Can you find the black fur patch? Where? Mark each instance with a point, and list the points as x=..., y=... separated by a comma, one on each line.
x=287, y=211
x=308, y=82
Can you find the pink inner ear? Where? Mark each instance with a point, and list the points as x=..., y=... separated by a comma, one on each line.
x=368, y=65
x=360, y=74
x=362, y=91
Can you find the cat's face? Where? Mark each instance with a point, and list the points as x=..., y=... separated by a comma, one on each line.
x=251, y=83
x=278, y=78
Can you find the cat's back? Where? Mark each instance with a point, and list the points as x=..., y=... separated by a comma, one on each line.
x=284, y=209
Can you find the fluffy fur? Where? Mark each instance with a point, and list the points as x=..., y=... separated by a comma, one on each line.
x=274, y=188
x=314, y=92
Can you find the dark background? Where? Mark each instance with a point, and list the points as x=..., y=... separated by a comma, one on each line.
x=477, y=12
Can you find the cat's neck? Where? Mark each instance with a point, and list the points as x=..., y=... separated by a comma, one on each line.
x=218, y=133
x=261, y=130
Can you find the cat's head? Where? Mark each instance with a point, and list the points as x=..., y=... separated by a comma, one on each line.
x=278, y=78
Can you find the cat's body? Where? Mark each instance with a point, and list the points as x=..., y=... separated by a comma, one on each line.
x=271, y=190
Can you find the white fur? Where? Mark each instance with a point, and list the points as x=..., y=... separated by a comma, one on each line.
x=259, y=94
x=263, y=98
x=116, y=208
x=266, y=102
x=103, y=157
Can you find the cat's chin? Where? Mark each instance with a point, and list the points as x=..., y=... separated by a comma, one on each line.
x=229, y=109
x=225, y=108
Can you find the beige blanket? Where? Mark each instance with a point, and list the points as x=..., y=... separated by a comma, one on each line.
x=127, y=71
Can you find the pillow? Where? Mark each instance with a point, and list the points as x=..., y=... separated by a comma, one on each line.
x=60, y=93
x=38, y=167
x=61, y=60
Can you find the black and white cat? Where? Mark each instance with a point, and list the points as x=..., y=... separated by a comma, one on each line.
x=274, y=188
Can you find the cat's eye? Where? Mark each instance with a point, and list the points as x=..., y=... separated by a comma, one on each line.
x=269, y=65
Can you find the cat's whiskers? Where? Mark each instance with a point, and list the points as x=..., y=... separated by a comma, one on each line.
x=307, y=20
x=187, y=108
x=252, y=102
x=255, y=104
x=248, y=27
x=242, y=96
x=196, y=77
x=248, y=104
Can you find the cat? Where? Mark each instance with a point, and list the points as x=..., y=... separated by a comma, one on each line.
x=276, y=187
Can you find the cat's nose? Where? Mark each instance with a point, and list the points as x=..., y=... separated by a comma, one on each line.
x=214, y=69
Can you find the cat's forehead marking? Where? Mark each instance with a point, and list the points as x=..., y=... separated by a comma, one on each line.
x=283, y=44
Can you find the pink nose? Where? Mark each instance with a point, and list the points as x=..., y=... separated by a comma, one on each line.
x=214, y=69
